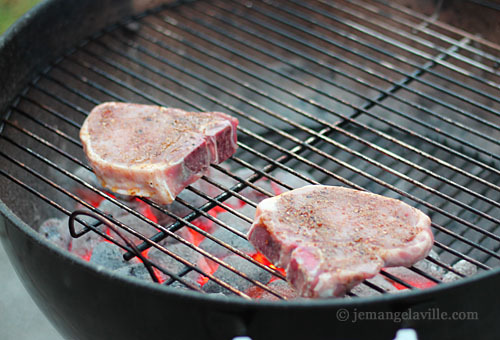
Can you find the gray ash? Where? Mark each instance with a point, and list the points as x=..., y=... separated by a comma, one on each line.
x=171, y=264
x=236, y=222
x=110, y=208
x=464, y=267
x=138, y=225
x=235, y=280
x=249, y=192
x=430, y=267
x=108, y=255
x=281, y=287
x=56, y=231
x=180, y=285
x=137, y=270
x=291, y=180
x=83, y=245
x=231, y=239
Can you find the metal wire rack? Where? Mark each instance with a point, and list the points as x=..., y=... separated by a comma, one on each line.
x=370, y=95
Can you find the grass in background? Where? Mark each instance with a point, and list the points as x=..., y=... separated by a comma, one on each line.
x=11, y=10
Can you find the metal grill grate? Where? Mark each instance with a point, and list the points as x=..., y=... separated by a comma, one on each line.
x=370, y=95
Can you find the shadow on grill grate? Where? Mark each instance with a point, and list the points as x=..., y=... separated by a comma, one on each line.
x=395, y=106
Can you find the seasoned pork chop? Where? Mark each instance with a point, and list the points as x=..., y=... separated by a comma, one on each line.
x=331, y=238
x=153, y=151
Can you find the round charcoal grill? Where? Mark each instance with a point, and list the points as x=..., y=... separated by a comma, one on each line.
x=366, y=94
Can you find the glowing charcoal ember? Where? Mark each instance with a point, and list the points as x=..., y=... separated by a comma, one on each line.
x=139, y=206
x=228, y=181
x=229, y=238
x=464, y=267
x=262, y=259
x=235, y=280
x=204, y=223
x=236, y=222
x=169, y=263
x=84, y=192
x=142, y=227
x=279, y=286
x=190, y=197
x=414, y=278
x=108, y=255
x=208, y=267
x=255, y=195
x=430, y=267
x=409, y=277
x=378, y=280
x=184, y=233
x=193, y=234
x=194, y=200
x=162, y=218
x=56, y=231
x=109, y=208
x=139, y=225
x=249, y=192
x=83, y=245
x=364, y=291
x=217, y=177
x=268, y=185
x=201, y=222
x=147, y=211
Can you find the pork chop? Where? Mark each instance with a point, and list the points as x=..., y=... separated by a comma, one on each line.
x=331, y=238
x=153, y=151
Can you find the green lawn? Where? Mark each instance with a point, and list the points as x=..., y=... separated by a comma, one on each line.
x=11, y=10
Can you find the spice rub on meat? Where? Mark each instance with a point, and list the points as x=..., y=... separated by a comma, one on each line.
x=331, y=238
x=153, y=151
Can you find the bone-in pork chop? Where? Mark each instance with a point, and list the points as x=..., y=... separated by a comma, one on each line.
x=331, y=238
x=153, y=151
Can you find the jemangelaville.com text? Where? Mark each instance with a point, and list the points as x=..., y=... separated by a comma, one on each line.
x=429, y=314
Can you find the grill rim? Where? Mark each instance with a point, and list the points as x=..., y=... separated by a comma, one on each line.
x=13, y=34
x=19, y=61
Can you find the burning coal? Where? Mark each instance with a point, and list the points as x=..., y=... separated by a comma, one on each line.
x=226, y=226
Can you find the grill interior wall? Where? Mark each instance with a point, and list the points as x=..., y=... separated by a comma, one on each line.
x=424, y=102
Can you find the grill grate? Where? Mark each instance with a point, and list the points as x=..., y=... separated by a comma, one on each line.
x=399, y=105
